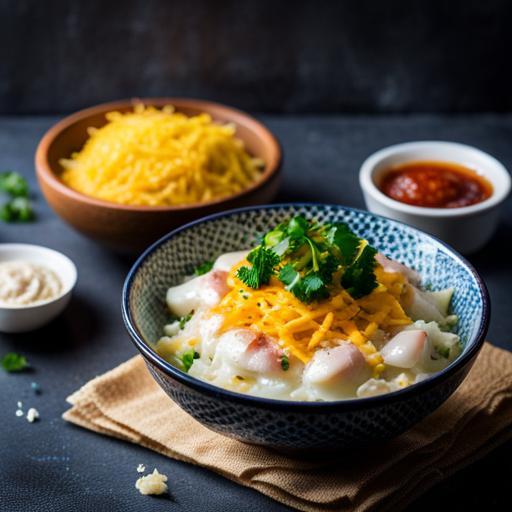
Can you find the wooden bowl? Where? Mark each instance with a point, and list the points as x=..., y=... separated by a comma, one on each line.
x=131, y=229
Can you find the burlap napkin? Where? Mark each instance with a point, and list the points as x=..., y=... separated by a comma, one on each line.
x=127, y=403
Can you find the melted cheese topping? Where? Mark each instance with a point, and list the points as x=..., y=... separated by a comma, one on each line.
x=335, y=349
x=301, y=328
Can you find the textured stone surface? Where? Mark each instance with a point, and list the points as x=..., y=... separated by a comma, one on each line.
x=50, y=465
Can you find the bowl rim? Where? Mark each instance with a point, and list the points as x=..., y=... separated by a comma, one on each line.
x=368, y=185
x=45, y=172
x=349, y=405
x=40, y=249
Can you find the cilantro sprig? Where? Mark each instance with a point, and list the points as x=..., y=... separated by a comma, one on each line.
x=14, y=362
x=359, y=279
x=19, y=208
x=311, y=259
x=263, y=262
x=13, y=183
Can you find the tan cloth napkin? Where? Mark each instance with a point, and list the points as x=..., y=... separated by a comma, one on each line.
x=127, y=403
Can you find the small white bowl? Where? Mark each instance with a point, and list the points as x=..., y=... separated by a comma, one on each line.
x=24, y=318
x=466, y=229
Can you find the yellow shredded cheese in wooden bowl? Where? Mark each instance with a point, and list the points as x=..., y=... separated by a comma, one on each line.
x=160, y=157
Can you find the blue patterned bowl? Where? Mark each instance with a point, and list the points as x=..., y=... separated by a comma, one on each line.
x=301, y=427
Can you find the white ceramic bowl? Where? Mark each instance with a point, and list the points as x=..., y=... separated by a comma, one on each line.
x=466, y=229
x=24, y=318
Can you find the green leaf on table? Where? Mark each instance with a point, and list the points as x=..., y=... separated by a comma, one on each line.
x=14, y=362
x=19, y=209
x=13, y=183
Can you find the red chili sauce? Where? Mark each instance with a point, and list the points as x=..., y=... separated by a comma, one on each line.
x=435, y=185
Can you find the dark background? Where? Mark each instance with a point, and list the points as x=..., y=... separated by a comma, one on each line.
x=305, y=56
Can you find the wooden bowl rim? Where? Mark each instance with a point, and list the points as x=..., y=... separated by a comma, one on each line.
x=45, y=172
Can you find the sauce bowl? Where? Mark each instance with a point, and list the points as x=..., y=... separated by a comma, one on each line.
x=467, y=229
x=288, y=426
x=29, y=317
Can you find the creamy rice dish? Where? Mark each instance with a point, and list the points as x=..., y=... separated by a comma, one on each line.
x=314, y=313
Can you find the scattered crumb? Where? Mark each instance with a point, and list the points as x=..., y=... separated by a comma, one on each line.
x=32, y=415
x=20, y=405
x=19, y=412
x=152, y=484
x=141, y=468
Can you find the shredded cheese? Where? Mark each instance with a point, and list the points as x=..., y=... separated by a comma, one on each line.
x=301, y=328
x=155, y=157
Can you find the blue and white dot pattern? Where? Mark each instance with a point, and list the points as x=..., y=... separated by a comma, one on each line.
x=281, y=425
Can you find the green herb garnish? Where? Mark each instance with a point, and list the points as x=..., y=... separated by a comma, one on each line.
x=204, y=268
x=263, y=262
x=185, y=319
x=359, y=278
x=13, y=183
x=188, y=359
x=312, y=259
x=344, y=243
x=14, y=362
x=19, y=209
x=307, y=288
x=443, y=351
x=174, y=318
x=285, y=364
x=181, y=319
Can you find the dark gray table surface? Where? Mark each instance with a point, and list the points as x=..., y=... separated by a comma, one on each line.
x=51, y=465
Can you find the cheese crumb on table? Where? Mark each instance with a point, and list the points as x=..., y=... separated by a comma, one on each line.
x=32, y=415
x=141, y=468
x=152, y=484
x=19, y=412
